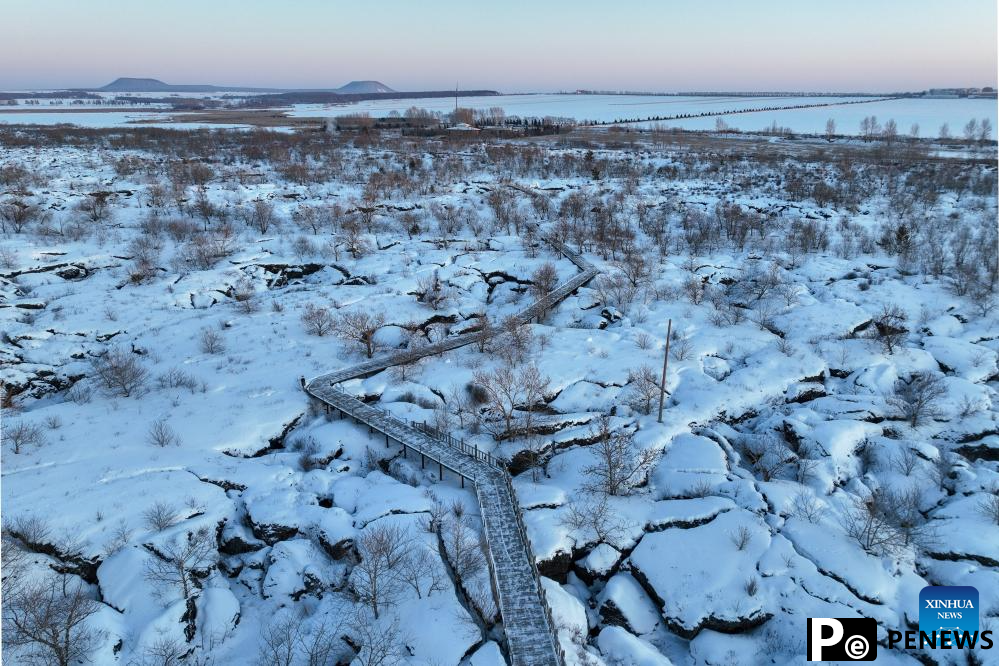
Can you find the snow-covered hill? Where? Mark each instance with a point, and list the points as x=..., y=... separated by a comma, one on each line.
x=828, y=444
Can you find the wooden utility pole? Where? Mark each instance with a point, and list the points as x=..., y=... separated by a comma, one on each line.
x=662, y=386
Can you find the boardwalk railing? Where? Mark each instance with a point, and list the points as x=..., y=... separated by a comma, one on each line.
x=531, y=632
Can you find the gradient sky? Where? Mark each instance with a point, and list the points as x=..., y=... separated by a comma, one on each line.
x=507, y=45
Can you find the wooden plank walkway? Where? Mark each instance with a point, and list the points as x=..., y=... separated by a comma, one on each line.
x=527, y=621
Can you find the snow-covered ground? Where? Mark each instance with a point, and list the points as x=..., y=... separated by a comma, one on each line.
x=833, y=368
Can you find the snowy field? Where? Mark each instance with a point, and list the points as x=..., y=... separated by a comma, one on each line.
x=829, y=444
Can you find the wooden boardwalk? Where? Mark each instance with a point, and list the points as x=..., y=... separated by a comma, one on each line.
x=527, y=621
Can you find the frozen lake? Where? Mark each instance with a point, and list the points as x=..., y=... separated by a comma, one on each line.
x=930, y=114
x=599, y=108
x=97, y=119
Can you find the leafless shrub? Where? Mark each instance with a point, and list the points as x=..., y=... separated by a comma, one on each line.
x=261, y=216
x=905, y=461
x=889, y=328
x=120, y=536
x=120, y=372
x=644, y=341
x=359, y=326
x=513, y=341
x=95, y=206
x=211, y=341
x=279, y=642
x=681, y=347
x=22, y=435
x=434, y=292
x=918, y=398
x=18, y=214
x=741, y=537
x=161, y=434
x=988, y=506
x=377, y=644
x=177, y=378
x=619, y=465
x=543, y=282
x=317, y=320
x=806, y=507
x=752, y=586
x=423, y=573
x=643, y=388
x=767, y=454
x=164, y=651
x=160, y=516
x=694, y=289
x=245, y=296
x=869, y=523
x=178, y=563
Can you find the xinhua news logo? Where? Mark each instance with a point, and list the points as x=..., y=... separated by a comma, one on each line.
x=842, y=639
x=948, y=608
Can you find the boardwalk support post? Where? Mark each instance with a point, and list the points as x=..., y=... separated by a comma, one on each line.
x=662, y=387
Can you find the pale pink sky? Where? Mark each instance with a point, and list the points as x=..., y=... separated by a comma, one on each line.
x=515, y=45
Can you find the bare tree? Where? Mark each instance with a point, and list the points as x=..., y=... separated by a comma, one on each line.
x=971, y=130
x=48, y=622
x=830, y=129
x=505, y=389
x=160, y=515
x=161, y=434
x=869, y=524
x=919, y=397
x=889, y=327
x=95, y=206
x=163, y=651
x=593, y=515
x=279, y=642
x=434, y=292
x=323, y=643
x=19, y=213
x=359, y=326
x=376, y=578
x=120, y=372
x=643, y=388
x=211, y=341
x=514, y=340
x=462, y=547
x=377, y=643
x=768, y=455
x=534, y=387
x=984, y=130
x=543, y=282
x=21, y=435
x=261, y=216
x=988, y=506
x=422, y=572
x=181, y=560
x=317, y=320
x=619, y=465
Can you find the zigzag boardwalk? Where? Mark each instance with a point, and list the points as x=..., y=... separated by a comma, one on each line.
x=527, y=621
